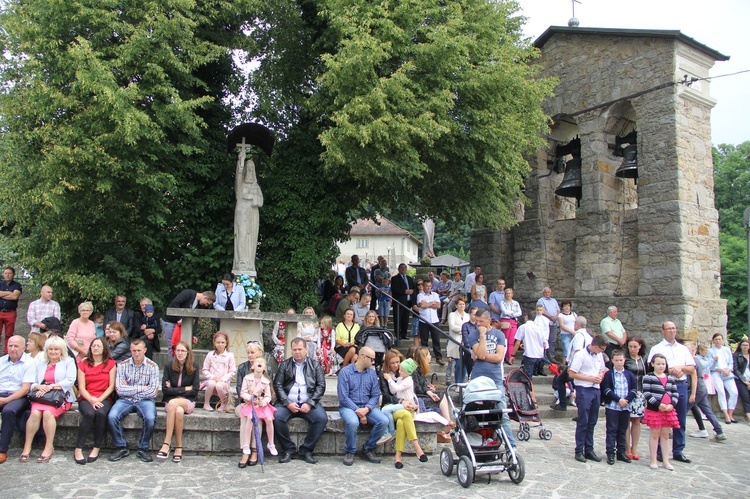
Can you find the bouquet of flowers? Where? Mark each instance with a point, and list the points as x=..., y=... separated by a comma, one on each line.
x=253, y=293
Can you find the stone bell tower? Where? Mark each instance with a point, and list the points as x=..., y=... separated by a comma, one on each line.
x=632, y=221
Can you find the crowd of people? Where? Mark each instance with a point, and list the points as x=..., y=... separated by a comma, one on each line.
x=104, y=363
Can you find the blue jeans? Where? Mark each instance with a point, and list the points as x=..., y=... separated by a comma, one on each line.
x=388, y=410
x=505, y=422
x=587, y=399
x=168, y=328
x=678, y=434
x=528, y=364
x=566, y=339
x=375, y=417
x=146, y=410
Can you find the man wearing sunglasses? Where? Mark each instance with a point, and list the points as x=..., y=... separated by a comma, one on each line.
x=359, y=394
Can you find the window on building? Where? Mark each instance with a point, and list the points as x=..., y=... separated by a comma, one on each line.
x=361, y=243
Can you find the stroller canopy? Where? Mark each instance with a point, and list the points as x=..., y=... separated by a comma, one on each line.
x=481, y=388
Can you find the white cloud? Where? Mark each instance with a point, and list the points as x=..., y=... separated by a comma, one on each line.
x=721, y=25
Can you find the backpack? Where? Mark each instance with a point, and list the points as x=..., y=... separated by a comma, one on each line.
x=334, y=302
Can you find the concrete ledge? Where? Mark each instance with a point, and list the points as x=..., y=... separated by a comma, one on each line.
x=219, y=433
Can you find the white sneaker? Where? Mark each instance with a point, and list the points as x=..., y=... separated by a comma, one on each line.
x=387, y=437
x=272, y=450
x=699, y=434
x=720, y=436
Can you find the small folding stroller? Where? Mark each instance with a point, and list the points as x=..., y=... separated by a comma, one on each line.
x=523, y=406
x=478, y=439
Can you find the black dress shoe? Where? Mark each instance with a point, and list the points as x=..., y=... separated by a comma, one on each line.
x=681, y=458
x=440, y=362
x=307, y=457
x=591, y=456
x=610, y=459
x=580, y=457
x=368, y=456
x=623, y=458
x=285, y=457
x=79, y=461
x=91, y=459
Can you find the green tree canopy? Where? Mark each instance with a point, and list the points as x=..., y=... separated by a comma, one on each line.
x=732, y=191
x=114, y=117
x=113, y=172
x=396, y=107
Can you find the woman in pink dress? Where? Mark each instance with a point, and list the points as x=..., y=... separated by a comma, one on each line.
x=257, y=394
x=82, y=331
x=56, y=371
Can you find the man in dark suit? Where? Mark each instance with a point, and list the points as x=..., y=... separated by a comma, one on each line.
x=124, y=316
x=402, y=288
x=356, y=275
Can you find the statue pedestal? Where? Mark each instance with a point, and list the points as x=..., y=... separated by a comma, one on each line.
x=241, y=327
x=251, y=273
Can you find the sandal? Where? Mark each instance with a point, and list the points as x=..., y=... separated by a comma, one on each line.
x=243, y=461
x=161, y=454
x=177, y=458
x=253, y=462
x=44, y=459
x=24, y=458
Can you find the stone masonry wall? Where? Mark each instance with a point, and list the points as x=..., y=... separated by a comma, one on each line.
x=650, y=247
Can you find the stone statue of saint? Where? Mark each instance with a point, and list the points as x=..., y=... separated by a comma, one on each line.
x=428, y=249
x=246, y=216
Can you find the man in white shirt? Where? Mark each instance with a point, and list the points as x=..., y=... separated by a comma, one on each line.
x=429, y=303
x=587, y=369
x=534, y=345
x=16, y=375
x=471, y=279
x=581, y=339
x=681, y=365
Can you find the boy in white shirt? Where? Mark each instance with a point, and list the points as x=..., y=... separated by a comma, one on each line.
x=543, y=324
x=534, y=344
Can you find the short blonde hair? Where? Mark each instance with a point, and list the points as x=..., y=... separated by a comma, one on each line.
x=56, y=341
x=86, y=304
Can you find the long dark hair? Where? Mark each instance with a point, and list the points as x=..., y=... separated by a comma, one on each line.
x=105, y=352
x=189, y=362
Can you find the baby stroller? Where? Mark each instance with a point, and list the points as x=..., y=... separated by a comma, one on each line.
x=523, y=405
x=478, y=439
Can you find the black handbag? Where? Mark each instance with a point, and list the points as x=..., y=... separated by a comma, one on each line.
x=54, y=397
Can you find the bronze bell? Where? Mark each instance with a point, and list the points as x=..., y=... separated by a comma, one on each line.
x=629, y=166
x=571, y=185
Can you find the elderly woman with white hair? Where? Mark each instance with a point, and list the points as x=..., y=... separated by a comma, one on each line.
x=56, y=371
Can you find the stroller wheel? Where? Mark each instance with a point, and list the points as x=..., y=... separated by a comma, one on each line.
x=446, y=461
x=541, y=434
x=517, y=471
x=465, y=472
x=521, y=435
x=547, y=434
